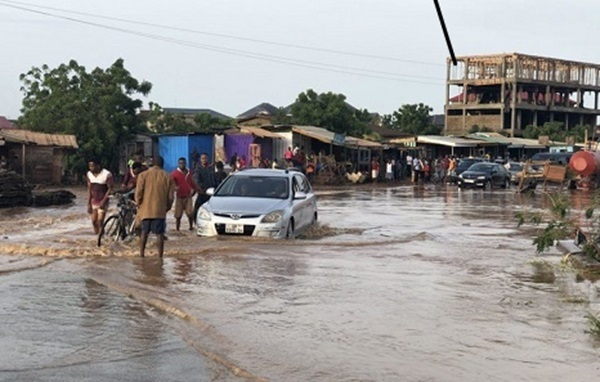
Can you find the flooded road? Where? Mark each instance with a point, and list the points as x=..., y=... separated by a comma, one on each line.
x=396, y=284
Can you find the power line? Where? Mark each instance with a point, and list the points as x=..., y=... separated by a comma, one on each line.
x=262, y=57
x=227, y=36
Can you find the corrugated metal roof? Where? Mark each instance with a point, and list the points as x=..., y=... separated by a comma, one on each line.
x=326, y=136
x=314, y=132
x=40, y=139
x=449, y=141
x=525, y=143
x=262, y=133
x=490, y=137
x=264, y=109
x=190, y=112
x=351, y=141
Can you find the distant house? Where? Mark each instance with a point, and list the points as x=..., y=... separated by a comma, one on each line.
x=141, y=144
x=259, y=115
x=5, y=123
x=38, y=157
x=438, y=120
x=191, y=113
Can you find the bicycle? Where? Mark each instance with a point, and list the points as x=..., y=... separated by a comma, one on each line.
x=120, y=225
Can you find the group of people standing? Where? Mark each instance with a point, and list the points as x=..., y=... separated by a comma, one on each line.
x=154, y=190
x=417, y=168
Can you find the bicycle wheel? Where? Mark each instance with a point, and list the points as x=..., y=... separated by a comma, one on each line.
x=111, y=230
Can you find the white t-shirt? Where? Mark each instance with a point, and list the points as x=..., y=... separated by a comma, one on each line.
x=388, y=167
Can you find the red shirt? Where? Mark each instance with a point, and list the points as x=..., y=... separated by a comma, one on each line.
x=184, y=182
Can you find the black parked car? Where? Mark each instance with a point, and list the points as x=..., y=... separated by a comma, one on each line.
x=486, y=175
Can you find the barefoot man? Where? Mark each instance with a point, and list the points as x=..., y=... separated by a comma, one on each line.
x=154, y=195
x=100, y=186
x=186, y=189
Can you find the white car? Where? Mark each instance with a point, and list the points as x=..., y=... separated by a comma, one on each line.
x=260, y=203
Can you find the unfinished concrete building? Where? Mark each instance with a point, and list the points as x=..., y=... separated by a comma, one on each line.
x=508, y=92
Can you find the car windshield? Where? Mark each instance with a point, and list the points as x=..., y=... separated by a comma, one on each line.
x=275, y=187
x=482, y=167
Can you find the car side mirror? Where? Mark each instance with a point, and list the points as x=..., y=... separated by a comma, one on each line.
x=300, y=195
x=210, y=191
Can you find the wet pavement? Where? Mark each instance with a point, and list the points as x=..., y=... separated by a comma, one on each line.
x=395, y=284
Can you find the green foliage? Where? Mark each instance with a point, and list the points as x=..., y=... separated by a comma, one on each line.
x=556, y=132
x=560, y=223
x=594, y=324
x=203, y=122
x=98, y=107
x=282, y=117
x=413, y=119
x=330, y=111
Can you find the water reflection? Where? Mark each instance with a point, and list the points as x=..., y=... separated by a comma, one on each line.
x=152, y=271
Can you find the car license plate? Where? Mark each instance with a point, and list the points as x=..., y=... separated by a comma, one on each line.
x=234, y=228
x=469, y=181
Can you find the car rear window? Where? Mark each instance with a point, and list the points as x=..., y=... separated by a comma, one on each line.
x=484, y=167
x=468, y=162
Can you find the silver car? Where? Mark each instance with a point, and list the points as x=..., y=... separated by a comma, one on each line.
x=259, y=203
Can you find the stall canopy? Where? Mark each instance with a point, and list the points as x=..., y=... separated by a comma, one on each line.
x=517, y=143
x=450, y=141
x=326, y=136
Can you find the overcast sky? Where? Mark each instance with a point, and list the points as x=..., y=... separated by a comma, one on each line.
x=201, y=70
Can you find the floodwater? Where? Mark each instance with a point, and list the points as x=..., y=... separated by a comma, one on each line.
x=396, y=284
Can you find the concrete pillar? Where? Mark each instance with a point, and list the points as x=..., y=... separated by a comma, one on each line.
x=513, y=107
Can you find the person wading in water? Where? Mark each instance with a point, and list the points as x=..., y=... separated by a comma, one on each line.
x=100, y=186
x=154, y=195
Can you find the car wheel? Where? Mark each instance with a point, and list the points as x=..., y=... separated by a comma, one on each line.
x=290, y=230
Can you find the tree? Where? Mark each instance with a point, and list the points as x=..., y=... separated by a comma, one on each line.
x=282, y=117
x=330, y=111
x=556, y=132
x=413, y=119
x=562, y=221
x=98, y=107
x=205, y=121
x=160, y=121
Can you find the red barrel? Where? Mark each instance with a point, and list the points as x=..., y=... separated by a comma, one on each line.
x=585, y=163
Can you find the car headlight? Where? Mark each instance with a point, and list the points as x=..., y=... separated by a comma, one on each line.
x=481, y=177
x=273, y=217
x=460, y=176
x=203, y=214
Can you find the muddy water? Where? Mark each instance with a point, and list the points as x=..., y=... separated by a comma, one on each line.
x=398, y=284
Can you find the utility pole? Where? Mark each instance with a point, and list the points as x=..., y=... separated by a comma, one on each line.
x=445, y=30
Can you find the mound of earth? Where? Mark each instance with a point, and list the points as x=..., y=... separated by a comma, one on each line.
x=15, y=191
x=52, y=198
